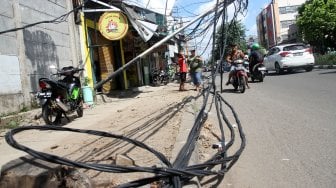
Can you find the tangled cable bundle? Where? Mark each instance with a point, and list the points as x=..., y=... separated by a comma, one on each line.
x=174, y=174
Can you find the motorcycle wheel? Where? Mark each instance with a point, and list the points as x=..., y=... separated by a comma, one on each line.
x=80, y=109
x=261, y=76
x=278, y=70
x=241, y=85
x=165, y=80
x=235, y=84
x=50, y=114
x=156, y=82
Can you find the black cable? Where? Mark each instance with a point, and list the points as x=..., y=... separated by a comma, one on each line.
x=57, y=20
x=176, y=174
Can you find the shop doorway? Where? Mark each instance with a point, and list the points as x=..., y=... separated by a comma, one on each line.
x=106, y=58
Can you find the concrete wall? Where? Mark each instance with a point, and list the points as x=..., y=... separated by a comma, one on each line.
x=36, y=47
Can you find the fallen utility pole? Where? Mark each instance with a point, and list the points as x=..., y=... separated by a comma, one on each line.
x=124, y=67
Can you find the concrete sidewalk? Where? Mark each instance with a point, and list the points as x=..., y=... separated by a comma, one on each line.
x=111, y=104
x=325, y=67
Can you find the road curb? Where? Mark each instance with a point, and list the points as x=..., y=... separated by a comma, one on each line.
x=15, y=120
x=187, y=122
x=325, y=66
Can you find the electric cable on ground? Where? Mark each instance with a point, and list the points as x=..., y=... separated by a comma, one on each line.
x=174, y=174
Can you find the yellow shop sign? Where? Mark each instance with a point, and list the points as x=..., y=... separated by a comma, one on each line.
x=113, y=25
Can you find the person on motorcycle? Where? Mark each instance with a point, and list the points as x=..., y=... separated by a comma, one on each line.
x=255, y=56
x=234, y=55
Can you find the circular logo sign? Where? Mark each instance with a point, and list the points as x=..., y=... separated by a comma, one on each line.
x=113, y=25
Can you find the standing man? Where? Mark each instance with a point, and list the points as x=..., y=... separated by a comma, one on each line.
x=182, y=61
x=196, y=64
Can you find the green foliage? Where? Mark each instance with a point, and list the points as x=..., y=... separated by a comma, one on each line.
x=12, y=125
x=317, y=23
x=235, y=35
x=7, y=114
x=87, y=81
x=24, y=109
x=328, y=59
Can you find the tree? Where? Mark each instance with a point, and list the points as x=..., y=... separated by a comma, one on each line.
x=317, y=23
x=235, y=35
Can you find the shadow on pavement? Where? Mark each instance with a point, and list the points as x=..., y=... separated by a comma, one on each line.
x=124, y=93
x=330, y=72
x=286, y=73
x=139, y=129
x=103, y=150
x=230, y=91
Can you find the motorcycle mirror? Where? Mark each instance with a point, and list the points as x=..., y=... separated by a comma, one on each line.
x=53, y=69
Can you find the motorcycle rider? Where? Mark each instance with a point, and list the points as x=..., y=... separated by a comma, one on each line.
x=234, y=55
x=255, y=56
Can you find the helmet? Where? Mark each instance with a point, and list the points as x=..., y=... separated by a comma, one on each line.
x=255, y=46
x=246, y=57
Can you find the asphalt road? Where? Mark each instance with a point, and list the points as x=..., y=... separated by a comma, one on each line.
x=290, y=126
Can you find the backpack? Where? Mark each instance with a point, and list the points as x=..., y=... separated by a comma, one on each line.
x=258, y=57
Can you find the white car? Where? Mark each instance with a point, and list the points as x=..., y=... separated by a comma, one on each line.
x=289, y=57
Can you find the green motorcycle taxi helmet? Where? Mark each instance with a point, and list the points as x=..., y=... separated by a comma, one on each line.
x=255, y=46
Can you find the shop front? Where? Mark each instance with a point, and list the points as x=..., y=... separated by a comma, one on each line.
x=111, y=39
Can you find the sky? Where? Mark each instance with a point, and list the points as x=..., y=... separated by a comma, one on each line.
x=254, y=8
x=189, y=9
x=249, y=19
x=159, y=6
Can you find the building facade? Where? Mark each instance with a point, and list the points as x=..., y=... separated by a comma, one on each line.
x=73, y=40
x=106, y=55
x=25, y=55
x=276, y=22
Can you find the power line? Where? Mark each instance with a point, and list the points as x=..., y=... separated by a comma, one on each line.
x=57, y=20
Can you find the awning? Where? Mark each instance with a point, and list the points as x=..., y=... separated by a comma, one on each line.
x=145, y=29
